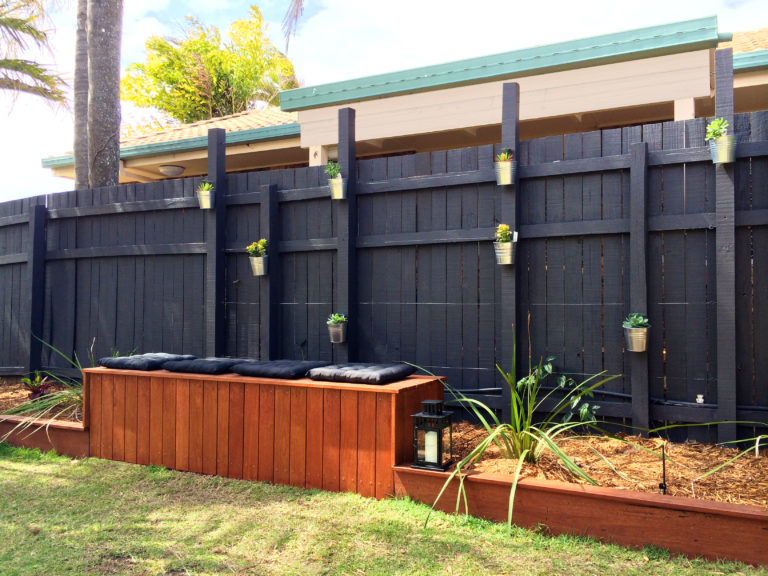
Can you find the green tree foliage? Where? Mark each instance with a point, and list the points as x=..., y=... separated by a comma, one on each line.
x=201, y=77
x=20, y=30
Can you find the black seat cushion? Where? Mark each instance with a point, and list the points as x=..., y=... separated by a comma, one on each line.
x=362, y=373
x=149, y=361
x=204, y=365
x=286, y=369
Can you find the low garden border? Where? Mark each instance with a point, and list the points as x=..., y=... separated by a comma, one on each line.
x=682, y=525
x=68, y=438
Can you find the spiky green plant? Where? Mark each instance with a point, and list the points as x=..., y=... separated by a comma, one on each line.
x=503, y=233
x=505, y=156
x=333, y=169
x=337, y=318
x=258, y=248
x=717, y=128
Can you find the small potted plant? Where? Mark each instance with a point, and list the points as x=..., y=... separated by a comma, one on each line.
x=205, y=195
x=505, y=167
x=722, y=146
x=337, y=328
x=337, y=184
x=257, y=252
x=504, y=245
x=636, y=332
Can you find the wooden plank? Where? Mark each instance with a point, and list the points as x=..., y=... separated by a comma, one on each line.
x=725, y=258
x=118, y=418
x=236, y=429
x=315, y=419
x=210, y=414
x=107, y=408
x=215, y=319
x=298, y=437
x=196, y=402
x=282, y=435
x=36, y=285
x=348, y=453
x=131, y=418
x=638, y=278
x=182, y=425
x=331, y=439
x=266, y=433
x=251, y=421
x=384, y=445
x=156, y=421
x=169, y=423
x=366, y=444
x=143, y=414
x=222, y=428
x=95, y=414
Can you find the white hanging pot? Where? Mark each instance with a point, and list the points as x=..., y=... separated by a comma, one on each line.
x=259, y=265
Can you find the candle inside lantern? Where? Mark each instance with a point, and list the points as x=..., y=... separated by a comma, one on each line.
x=430, y=446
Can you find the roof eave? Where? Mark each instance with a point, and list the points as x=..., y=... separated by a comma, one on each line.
x=750, y=61
x=662, y=40
x=263, y=134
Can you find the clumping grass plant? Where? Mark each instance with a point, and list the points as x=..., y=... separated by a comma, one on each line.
x=528, y=435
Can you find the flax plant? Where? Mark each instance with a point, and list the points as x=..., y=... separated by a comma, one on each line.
x=527, y=436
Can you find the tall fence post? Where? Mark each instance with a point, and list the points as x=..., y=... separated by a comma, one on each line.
x=346, y=221
x=36, y=283
x=215, y=319
x=510, y=138
x=270, y=298
x=638, y=279
x=725, y=257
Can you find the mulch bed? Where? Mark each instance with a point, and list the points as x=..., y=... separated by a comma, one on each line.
x=14, y=393
x=744, y=481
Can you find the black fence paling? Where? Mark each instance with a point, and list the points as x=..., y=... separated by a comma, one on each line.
x=610, y=222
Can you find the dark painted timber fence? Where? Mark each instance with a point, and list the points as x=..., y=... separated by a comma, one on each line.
x=610, y=222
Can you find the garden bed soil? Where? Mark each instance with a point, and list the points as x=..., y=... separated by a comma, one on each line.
x=13, y=393
x=637, y=464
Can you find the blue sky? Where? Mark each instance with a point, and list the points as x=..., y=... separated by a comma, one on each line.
x=339, y=40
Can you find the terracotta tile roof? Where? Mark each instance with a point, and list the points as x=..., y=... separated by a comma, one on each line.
x=747, y=41
x=270, y=116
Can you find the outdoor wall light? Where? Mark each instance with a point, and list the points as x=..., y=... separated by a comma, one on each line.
x=432, y=439
x=171, y=170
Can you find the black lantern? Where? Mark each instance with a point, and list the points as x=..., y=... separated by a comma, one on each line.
x=432, y=438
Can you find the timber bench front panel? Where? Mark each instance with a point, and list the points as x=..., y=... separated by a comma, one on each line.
x=338, y=437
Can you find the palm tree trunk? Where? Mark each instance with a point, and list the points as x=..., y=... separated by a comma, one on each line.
x=105, y=19
x=81, y=97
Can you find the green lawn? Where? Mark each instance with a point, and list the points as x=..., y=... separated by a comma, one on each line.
x=62, y=516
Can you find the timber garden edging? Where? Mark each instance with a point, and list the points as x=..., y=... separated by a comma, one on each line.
x=67, y=438
x=712, y=530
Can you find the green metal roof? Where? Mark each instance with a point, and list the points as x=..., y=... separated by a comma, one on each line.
x=243, y=136
x=749, y=61
x=622, y=46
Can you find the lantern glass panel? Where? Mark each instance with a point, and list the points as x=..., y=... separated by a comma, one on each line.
x=447, y=445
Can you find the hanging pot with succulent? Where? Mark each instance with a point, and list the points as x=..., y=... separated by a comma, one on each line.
x=257, y=252
x=206, y=195
x=337, y=328
x=336, y=183
x=636, y=332
x=722, y=146
x=504, y=245
x=505, y=167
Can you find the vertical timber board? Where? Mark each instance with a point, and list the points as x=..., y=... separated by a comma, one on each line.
x=36, y=284
x=169, y=423
x=366, y=444
x=314, y=478
x=270, y=305
x=282, y=454
x=182, y=425
x=266, y=433
x=118, y=418
x=331, y=439
x=298, y=437
x=94, y=413
x=725, y=258
x=131, y=418
x=251, y=432
x=107, y=409
x=215, y=319
x=210, y=412
x=638, y=230
x=348, y=442
x=236, y=428
x=345, y=298
x=143, y=398
x=195, y=426
x=222, y=429
x=507, y=275
x=385, y=414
